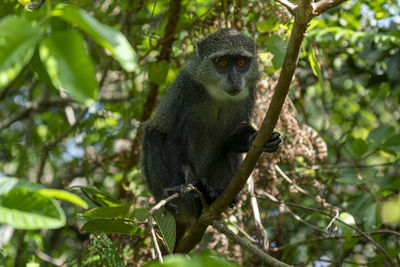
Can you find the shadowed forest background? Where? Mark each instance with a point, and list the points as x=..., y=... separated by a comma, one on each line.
x=77, y=78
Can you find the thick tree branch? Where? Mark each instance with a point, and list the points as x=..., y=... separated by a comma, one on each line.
x=165, y=54
x=304, y=15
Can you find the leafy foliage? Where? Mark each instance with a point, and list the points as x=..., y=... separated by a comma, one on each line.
x=76, y=80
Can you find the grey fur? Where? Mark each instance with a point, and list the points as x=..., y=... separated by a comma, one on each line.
x=195, y=136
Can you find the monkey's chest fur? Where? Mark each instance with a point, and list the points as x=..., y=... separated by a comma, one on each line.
x=209, y=127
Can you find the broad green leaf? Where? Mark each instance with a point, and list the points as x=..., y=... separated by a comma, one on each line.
x=18, y=39
x=380, y=134
x=158, y=72
x=393, y=143
x=141, y=214
x=107, y=251
x=177, y=260
x=97, y=196
x=359, y=146
x=28, y=210
x=125, y=211
x=119, y=226
x=167, y=225
x=63, y=195
x=277, y=47
x=391, y=211
x=111, y=39
x=387, y=182
x=69, y=66
x=9, y=183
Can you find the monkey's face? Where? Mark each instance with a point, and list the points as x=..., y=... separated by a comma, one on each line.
x=229, y=77
x=232, y=71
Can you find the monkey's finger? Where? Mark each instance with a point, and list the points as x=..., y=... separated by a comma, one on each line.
x=274, y=135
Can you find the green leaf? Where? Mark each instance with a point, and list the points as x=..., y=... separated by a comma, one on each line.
x=63, y=195
x=119, y=226
x=277, y=47
x=315, y=66
x=111, y=39
x=167, y=225
x=97, y=196
x=28, y=210
x=391, y=211
x=158, y=72
x=69, y=66
x=177, y=260
x=349, y=180
x=9, y=183
x=18, y=39
x=266, y=25
x=346, y=230
x=387, y=182
x=141, y=214
x=125, y=211
x=359, y=146
x=107, y=251
x=393, y=143
x=380, y=134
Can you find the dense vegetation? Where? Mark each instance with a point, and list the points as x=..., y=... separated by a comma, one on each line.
x=77, y=78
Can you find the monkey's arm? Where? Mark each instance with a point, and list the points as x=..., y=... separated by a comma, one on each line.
x=243, y=136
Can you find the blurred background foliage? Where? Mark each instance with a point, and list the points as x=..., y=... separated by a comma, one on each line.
x=339, y=161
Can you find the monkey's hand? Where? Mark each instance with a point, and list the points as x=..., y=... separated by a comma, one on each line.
x=209, y=193
x=169, y=191
x=273, y=143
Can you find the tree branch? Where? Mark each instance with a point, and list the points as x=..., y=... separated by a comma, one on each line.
x=267, y=259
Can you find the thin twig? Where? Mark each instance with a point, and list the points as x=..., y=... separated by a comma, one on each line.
x=323, y=238
x=297, y=217
x=262, y=234
x=270, y=261
x=376, y=244
x=290, y=7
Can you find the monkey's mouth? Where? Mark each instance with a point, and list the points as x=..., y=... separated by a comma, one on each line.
x=234, y=91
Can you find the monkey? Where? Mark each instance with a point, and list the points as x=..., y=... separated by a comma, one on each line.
x=202, y=125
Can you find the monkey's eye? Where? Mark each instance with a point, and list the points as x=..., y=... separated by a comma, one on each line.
x=241, y=62
x=223, y=63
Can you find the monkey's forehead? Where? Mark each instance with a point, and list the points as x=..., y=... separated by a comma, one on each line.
x=226, y=41
x=231, y=53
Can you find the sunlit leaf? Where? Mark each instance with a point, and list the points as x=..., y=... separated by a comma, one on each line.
x=63, y=195
x=28, y=210
x=99, y=197
x=315, y=66
x=9, y=183
x=177, y=260
x=111, y=39
x=69, y=66
x=18, y=39
x=125, y=211
x=116, y=225
x=391, y=211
